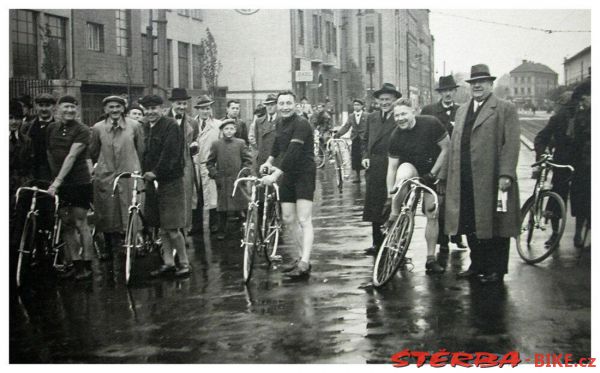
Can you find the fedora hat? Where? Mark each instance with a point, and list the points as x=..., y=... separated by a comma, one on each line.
x=203, y=100
x=179, y=94
x=480, y=72
x=271, y=99
x=446, y=82
x=151, y=100
x=387, y=88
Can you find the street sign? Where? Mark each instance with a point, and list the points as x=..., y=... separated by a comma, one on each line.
x=304, y=76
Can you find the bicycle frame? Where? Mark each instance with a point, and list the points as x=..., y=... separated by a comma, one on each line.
x=545, y=164
x=416, y=189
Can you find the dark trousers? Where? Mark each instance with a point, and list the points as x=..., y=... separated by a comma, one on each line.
x=489, y=255
x=377, y=234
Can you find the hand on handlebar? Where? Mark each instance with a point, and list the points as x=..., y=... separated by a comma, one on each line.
x=266, y=168
x=268, y=180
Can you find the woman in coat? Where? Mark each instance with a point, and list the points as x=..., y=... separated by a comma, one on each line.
x=117, y=146
x=227, y=157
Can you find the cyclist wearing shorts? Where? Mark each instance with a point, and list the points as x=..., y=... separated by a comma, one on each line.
x=418, y=147
x=293, y=153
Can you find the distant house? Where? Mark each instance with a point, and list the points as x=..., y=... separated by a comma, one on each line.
x=578, y=67
x=530, y=83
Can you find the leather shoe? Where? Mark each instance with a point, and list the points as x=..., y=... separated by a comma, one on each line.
x=491, y=278
x=433, y=267
x=469, y=273
x=163, y=270
x=299, y=273
x=371, y=251
x=290, y=266
x=182, y=271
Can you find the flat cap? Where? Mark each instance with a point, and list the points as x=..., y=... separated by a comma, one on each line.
x=151, y=100
x=68, y=99
x=113, y=98
x=45, y=98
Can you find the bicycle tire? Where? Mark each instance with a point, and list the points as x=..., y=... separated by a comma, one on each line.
x=393, y=249
x=320, y=155
x=26, y=247
x=131, y=238
x=536, y=242
x=249, y=243
x=339, y=170
x=271, y=238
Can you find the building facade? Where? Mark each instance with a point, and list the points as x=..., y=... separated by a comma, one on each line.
x=530, y=83
x=578, y=67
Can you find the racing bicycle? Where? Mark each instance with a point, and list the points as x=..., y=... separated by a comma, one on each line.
x=339, y=150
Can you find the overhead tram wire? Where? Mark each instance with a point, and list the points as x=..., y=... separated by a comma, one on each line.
x=547, y=31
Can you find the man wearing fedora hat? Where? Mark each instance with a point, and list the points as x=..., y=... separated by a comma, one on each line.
x=379, y=127
x=264, y=130
x=482, y=162
x=357, y=122
x=189, y=129
x=445, y=111
x=35, y=132
x=209, y=133
x=116, y=146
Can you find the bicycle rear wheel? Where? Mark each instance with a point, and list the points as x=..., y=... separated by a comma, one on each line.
x=320, y=155
x=132, y=238
x=26, y=248
x=542, y=226
x=393, y=249
x=273, y=230
x=249, y=243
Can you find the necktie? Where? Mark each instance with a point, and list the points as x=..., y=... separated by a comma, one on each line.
x=115, y=123
x=203, y=124
x=270, y=118
x=178, y=116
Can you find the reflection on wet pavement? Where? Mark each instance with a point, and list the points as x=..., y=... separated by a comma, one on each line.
x=334, y=317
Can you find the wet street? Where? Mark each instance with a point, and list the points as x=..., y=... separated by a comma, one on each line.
x=334, y=317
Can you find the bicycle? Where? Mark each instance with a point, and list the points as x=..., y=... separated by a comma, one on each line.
x=537, y=239
x=263, y=235
x=320, y=150
x=37, y=243
x=136, y=240
x=393, y=250
x=339, y=147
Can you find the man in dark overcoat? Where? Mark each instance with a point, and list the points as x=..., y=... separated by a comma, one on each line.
x=163, y=162
x=264, y=131
x=35, y=131
x=357, y=121
x=482, y=161
x=445, y=111
x=380, y=125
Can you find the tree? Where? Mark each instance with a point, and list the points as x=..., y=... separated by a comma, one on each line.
x=51, y=65
x=355, y=86
x=211, y=66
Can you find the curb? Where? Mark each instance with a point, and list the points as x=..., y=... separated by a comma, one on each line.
x=527, y=142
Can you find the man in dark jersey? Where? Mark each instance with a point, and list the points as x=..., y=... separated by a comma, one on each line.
x=418, y=147
x=293, y=153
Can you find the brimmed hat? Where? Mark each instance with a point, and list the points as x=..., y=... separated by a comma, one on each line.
x=359, y=101
x=26, y=100
x=480, y=72
x=113, y=98
x=271, y=99
x=151, y=100
x=387, y=88
x=68, y=99
x=446, y=82
x=203, y=100
x=226, y=122
x=45, y=98
x=179, y=94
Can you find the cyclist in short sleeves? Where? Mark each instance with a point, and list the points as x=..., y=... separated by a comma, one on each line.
x=418, y=147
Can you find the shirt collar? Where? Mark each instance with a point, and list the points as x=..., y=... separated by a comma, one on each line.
x=446, y=106
x=109, y=122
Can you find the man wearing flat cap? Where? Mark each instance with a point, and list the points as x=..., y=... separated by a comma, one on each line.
x=116, y=146
x=35, y=132
x=209, y=133
x=357, y=122
x=163, y=162
x=264, y=130
x=445, y=111
x=189, y=129
x=379, y=127
x=68, y=145
x=482, y=163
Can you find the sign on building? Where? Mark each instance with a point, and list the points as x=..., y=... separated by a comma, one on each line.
x=304, y=76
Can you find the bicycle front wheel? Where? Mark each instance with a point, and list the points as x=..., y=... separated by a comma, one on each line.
x=542, y=226
x=26, y=248
x=273, y=230
x=320, y=155
x=131, y=243
x=250, y=241
x=393, y=249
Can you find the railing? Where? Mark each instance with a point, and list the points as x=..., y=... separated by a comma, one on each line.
x=31, y=87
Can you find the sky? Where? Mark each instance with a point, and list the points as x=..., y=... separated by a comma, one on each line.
x=462, y=43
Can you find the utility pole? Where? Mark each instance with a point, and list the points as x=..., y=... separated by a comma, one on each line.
x=161, y=41
x=150, y=53
x=370, y=68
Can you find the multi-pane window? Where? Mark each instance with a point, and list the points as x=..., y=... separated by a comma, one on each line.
x=197, y=66
x=370, y=34
x=55, y=49
x=24, y=43
x=334, y=40
x=184, y=68
x=123, y=32
x=328, y=36
x=95, y=37
x=301, y=27
x=315, y=30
